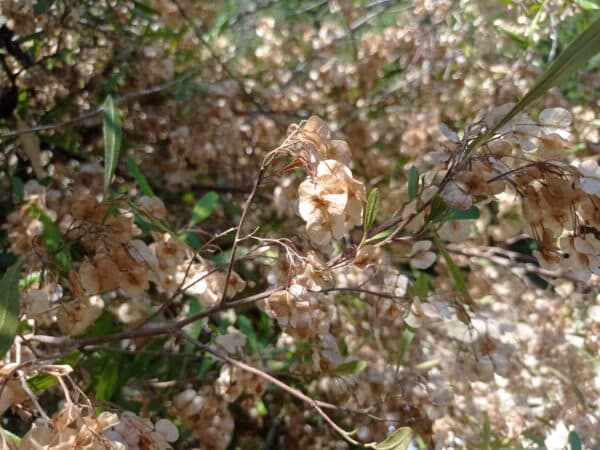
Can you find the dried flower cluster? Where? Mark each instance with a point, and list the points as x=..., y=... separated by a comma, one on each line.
x=74, y=427
x=206, y=416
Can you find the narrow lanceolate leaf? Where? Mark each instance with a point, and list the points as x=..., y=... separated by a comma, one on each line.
x=468, y=214
x=204, y=207
x=581, y=50
x=379, y=236
x=420, y=287
x=9, y=306
x=455, y=273
x=575, y=441
x=588, y=5
x=413, y=183
x=112, y=140
x=140, y=179
x=12, y=436
x=372, y=208
x=398, y=440
x=349, y=368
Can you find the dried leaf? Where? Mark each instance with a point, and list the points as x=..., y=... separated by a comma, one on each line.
x=555, y=117
x=448, y=133
x=30, y=144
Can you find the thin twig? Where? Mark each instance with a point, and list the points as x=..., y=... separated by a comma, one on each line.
x=223, y=306
x=198, y=33
x=152, y=329
x=254, y=9
x=508, y=259
x=119, y=99
x=261, y=173
x=354, y=26
x=32, y=396
x=314, y=404
x=181, y=289
x=236, y=240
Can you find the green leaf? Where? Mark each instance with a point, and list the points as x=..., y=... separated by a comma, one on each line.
x=9, y=306
x=587, y=5
x=349, y=368
x=192, y=240
x=204, y=207
x=41, y=6
x=143, y=10
x=28, y=280
x=195, y=328
x=139, y=177
x=438, y=209
x=381, y=235
x=204, y=366
x=413, y=183
x=52, y=239
x=468, y=214
x=18, y=188
x=146, y=220
x=12, y=436
x=398, y=440
x=112, y=140
x=145, y=364
x=455, y=273
x=221, y=258
x=513, y=33
x=575, y=441
x=24, y=327
x=261, y=408
x=244, y=324
x=535, y=22
x=372, y=208
x=44, y=381
x=579, y=52
x=107, y=380
x=420, y=287
x=405, y=340
x=103, y=326
x=51, y=236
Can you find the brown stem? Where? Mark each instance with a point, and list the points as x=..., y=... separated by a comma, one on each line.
x=99, y=109
x=314, y=404
x=238, y=231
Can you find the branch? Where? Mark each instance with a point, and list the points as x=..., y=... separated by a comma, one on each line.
x=152, y=329
x=261, y=173
x=119, y=99
x=314, y=404
x=198, y=33
x=238, y=231
x=508, y=259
